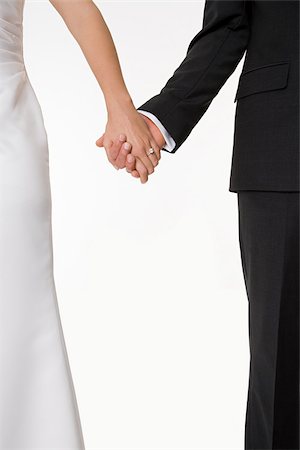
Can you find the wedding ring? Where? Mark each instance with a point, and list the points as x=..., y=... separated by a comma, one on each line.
x=150, y=151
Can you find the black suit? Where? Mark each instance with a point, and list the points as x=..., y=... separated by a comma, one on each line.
x=266, y=140
x=265, y=158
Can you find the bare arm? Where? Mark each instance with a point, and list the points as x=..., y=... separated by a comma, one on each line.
x=88, y=27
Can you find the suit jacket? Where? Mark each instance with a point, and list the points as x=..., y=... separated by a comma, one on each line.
x=266, y=136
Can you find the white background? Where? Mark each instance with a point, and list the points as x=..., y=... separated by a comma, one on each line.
x=149, y=277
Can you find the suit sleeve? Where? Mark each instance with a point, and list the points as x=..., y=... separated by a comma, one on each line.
x=211, y=58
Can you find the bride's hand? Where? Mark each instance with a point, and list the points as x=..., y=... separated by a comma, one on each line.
x=128, y=124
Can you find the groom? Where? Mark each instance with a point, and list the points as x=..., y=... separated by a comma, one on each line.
x=265, y=176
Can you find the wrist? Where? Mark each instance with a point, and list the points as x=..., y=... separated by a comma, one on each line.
x=118, y=102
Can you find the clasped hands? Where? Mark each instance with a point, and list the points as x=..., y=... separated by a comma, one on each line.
x=128, y=139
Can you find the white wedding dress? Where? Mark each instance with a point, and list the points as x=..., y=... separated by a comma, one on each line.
x=38, y=407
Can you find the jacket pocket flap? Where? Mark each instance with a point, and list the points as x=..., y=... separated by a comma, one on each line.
x=261, y=79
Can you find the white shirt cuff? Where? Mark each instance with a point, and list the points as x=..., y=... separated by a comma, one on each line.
x=170, y=143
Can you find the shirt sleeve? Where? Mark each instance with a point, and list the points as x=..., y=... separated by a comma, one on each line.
x=170, y=143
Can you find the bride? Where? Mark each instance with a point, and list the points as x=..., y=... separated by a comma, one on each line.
x=38, y=408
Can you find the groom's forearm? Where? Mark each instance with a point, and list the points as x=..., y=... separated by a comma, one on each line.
x=212, y=56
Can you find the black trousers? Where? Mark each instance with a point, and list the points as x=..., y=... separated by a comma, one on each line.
x=269, y=244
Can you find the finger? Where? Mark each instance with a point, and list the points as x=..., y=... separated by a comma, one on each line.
x=144, y=158
x=154, y=157
x=147, y=163
x=116, y=146
x=130, y=163
x=111, y=149
x=142, y=170
x=112, y=161
x=100, y=141
x=157, y=149
x=135, y=174
x=122, y=156
x=108, y=149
